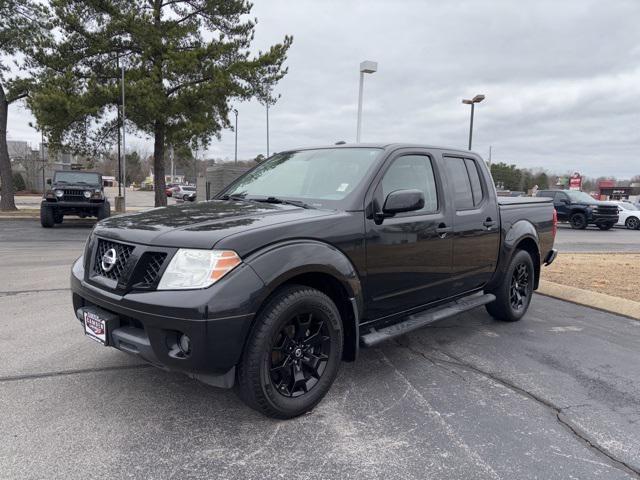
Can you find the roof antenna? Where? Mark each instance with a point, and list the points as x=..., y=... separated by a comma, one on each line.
x=341, y=142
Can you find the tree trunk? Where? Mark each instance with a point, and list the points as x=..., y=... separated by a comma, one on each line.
x=7, y=203
x=158, y=165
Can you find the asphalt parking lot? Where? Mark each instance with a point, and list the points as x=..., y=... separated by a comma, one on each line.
x=593, y=239
x=554, y=396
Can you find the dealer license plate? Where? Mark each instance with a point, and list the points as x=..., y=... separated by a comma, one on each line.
x=95, y=327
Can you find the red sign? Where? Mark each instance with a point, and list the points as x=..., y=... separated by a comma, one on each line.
x=575, y=182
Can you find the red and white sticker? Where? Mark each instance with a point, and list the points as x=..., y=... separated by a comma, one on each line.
x=95, y=327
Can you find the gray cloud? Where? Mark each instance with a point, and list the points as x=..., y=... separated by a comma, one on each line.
x=562, y=79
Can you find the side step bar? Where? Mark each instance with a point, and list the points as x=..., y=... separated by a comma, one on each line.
x=421, y=319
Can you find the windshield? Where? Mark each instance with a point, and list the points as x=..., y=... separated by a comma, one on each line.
x=627, y=206
x=577, y=196
x=77, y=178
x=326, y=176
x=189, y=189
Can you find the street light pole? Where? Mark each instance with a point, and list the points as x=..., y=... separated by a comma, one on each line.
x=365, y=67
x=236, y=131
x=267, y=128
x=124, y=148
x=44, y=187
x=119, y=153
x=472, y=102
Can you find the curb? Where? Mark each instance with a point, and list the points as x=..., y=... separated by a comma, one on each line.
x=599, y=301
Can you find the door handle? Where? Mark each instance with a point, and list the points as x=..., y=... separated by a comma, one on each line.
x=442, y=230
x=489, y=223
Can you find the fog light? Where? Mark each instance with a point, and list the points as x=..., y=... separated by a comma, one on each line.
x=184, y=342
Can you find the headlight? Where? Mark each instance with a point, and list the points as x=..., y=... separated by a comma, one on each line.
x=191, y=269
x=59, y=193
x=87, y=194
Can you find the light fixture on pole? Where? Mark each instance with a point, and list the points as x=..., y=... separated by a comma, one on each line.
x=472, y=102
x=365, y=67
x=235, y=156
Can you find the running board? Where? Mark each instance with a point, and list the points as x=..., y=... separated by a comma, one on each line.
x=421, y=319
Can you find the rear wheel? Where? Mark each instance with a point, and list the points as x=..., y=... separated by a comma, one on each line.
x=578, y=221
x=632, y=223
x=293, y=353
x=513, y=296
x=47, y=219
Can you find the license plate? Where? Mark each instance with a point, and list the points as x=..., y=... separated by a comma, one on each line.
x=95, y=327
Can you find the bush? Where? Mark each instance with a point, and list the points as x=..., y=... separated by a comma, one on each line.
x=18, y=182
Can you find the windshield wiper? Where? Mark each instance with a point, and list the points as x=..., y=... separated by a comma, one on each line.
x=297, y=203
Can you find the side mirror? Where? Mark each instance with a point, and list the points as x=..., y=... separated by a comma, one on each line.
x=403, y=201
x=48, y=181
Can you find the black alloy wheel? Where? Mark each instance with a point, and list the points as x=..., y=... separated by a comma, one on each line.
x=299, y=354
x=519, y=288
x=578, y=221
x=515, y=291
x=293, y=353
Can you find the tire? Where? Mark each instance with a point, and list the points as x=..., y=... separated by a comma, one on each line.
x=578, y=221
x=295, y=320
x=58, y=217
x=503, y=308
x=47, y=219
x=632, y=223
x=104, y=211
x=605, y=226
x=185, y=198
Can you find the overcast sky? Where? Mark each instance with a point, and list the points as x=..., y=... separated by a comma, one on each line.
x=561, y=79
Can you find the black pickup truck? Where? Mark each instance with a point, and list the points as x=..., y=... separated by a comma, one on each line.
x=303, y=260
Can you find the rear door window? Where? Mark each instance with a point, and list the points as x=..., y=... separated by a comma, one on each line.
x=476, y=184
x=460, y=182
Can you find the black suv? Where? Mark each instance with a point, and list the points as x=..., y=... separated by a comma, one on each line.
x=581, y=209
x=74, y=193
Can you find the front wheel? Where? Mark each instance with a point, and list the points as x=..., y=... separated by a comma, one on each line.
x=292, y=354
x=47, y=217
x=632, y=223
x=513, y=295
x=104, y=211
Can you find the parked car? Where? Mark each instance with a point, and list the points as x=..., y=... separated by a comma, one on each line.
x=185, y=192
x=169, y=189
x=629, y=215
x=304, y=259
x=581, y=209
x=73, y=193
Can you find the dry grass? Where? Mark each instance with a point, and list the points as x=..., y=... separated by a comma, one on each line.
x=616, y=274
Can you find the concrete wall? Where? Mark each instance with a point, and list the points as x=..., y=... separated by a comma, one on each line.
x=219, y=176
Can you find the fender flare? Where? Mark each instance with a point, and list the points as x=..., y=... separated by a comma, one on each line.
x=276, y=264
x=519, y=231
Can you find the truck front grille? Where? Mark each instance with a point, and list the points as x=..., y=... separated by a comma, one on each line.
x=119, y=268
x=150, y=267
x=606, y=210
x=73, y=195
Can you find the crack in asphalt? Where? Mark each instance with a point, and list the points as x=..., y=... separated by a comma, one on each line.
x=32, y=376
x=558, y=411
x=43, y=290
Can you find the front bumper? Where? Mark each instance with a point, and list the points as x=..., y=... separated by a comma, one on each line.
x=148, y=323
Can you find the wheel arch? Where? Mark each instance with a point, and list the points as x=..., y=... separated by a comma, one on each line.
x=320, y=266
x=521, y=236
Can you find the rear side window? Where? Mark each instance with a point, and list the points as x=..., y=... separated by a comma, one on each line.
x=459, y=178
x=412, y=172
x=546, y=193
x=474, y=177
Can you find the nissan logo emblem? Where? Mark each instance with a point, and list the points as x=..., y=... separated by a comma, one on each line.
x=108, y=260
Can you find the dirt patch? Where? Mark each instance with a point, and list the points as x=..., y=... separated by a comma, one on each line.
x=616, y=274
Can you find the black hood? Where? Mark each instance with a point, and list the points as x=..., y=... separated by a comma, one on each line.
x=199, y=225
